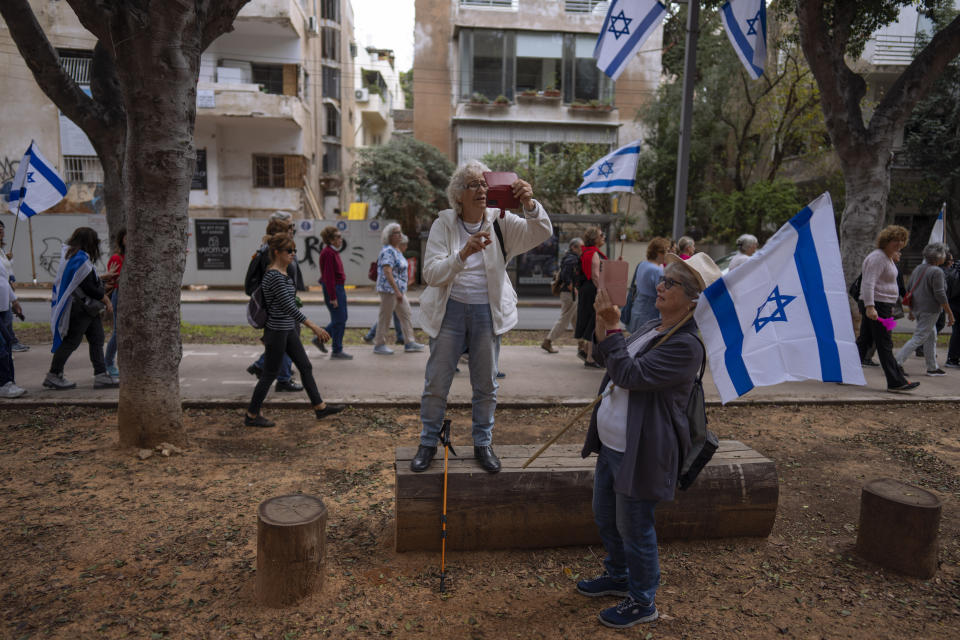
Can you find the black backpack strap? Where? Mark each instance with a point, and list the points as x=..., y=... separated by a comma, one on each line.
x=499, y=232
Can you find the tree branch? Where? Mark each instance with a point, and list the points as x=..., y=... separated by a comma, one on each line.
x=216, y=18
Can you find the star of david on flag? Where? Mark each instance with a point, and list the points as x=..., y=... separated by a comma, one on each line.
x=36, y=187
x=626, y=27
x=745, y=22
x=783, y=315
x=613, y=172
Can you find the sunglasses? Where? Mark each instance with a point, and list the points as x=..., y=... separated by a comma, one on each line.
x=669, y=283
x=293, y=250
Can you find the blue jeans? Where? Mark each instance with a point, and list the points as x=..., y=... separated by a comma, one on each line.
x=465, y=326
x=396, y=326
x=286, y=367
x=626, y=529
x=110, y=357
x=338, y=318
x=6, y=318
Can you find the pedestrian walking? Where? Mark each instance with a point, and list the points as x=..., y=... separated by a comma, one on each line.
x=8, y=305
x=928, y=290
x=79, y=299
x=646, y=277
x=281, y=335
x=747, y=245
x=569, y=268
x=587, y=292
x=392, y=289
x=279, y=222
x=112, y=282
x=6, y=317
x=332, y=278
x=398, y=330
x=469, y=301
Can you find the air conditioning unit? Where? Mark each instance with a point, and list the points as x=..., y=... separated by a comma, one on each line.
x=362, y=95
x=312, y=25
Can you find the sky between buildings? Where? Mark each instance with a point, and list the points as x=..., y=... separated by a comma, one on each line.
x=386, y=24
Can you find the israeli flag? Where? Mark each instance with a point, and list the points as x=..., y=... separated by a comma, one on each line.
x=627, y=26
x=783, y=315
x=615, y=171
x=937, y=233
x=36, y=187
x=69, y=276
x=746, y=24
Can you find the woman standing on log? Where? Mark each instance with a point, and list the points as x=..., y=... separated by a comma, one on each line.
x=282, y=333
x=641, y=432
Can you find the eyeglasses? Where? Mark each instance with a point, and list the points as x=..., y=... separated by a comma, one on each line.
x=669, y=283
x=293, y=250
x=476, y=185
x=337, y=235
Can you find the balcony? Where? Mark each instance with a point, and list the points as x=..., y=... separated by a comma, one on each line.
x=375, y=111
x=227, y=102
x=272, y=18
x=890, y=50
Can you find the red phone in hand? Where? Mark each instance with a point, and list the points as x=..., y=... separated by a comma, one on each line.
x=499, y=190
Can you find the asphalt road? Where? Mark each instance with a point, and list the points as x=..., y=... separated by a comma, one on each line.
x=358, y=315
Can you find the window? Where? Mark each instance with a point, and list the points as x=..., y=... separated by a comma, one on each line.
x=333, y=120
x=76, y=62
x=331, y=158
x=331, y=82
x=330, y=48
x=586, y=6
x=495, y=62
x=330, y=10
x=82, y=169
x=500, y=4
x=276, y=171
x=539, y=61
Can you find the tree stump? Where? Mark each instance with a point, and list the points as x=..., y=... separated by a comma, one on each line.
x=898, y=527
x=291, y=548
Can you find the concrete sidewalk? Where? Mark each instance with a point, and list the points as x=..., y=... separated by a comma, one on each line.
x=215, y=375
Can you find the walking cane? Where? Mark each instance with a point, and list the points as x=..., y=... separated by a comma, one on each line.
x=447, y=446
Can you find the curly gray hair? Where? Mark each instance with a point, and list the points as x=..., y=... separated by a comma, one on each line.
x=935, y=252
x=388, y=231
x=472, y=170
x=747, y=240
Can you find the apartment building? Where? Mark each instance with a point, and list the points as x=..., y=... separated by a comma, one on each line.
x=377, y=94
x=271, y=100
x=536, y=57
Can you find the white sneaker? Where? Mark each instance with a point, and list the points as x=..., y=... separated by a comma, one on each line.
x=382, y=350
x=11, y=390
x=413, y=347
x=105, y=381
x=19, y=347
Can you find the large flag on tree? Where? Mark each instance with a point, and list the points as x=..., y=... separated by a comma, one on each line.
x=37, y=185
x=613, y=172
x=627, y=26
x=783, y=315
x=746, y=24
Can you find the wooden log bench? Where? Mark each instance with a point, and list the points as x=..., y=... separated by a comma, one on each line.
x=548, y=504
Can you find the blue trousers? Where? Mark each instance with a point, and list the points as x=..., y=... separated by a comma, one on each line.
x=626, y=529
x=6, y=356
x=338, y=318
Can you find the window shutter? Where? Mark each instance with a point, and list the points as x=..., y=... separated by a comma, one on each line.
x=293, y=170
x=290, y=73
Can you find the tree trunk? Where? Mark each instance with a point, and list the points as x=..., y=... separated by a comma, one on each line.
x=867, y=187
x=159, y=80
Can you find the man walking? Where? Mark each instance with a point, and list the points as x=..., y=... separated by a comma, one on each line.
x=569, y=266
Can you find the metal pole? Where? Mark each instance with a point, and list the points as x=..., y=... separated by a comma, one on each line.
x=686, y=118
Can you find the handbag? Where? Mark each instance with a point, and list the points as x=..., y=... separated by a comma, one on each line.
x=91, y=306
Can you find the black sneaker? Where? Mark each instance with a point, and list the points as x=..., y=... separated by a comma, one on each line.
x=258, y=421
x=288, y=386
x=605, y=585
x=593, y=365
x=628, y=613
x=255, y=370
x=910, y=386
x=870, y=363
x=953, y=364
x=329, y=410
x=319, y=344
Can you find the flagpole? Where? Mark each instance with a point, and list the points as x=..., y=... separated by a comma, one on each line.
x=686, y=118
x=15, y=222
x=33, y=261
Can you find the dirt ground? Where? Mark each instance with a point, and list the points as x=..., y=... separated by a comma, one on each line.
x=98, y=543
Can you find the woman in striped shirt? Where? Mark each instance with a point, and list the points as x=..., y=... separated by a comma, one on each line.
x=282, y=333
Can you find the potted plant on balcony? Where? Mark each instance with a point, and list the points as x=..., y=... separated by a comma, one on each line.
x=580, y=105
x=479, y=100
x=551, y=91
x=501, y=101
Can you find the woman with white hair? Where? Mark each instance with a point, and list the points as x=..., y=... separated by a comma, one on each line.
x=929, y=287
x=392, y=288
x=469, y=301
x=747, y=245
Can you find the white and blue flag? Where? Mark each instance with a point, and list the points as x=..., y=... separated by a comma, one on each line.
x=37, y=185
x=937, y=233
x=613, y=172
x=69, y=276
x=783, y=315
x=627, y=26
x=746, y=24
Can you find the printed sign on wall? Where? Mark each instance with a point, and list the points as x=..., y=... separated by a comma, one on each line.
x=213, y=244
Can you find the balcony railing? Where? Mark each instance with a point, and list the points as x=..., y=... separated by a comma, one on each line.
x=888, y=49
x=586, y=6
x=77, y=68
x=495, y=4
x=82, y=169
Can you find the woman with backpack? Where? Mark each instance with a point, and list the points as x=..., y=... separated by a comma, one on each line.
x=281, y=335
x=641, y=433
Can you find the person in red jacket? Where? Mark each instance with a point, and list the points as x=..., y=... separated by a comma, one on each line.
x=112, y=280
x=333, y=277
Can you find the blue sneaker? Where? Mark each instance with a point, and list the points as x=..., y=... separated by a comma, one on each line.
x=628, y=613
x=113, y=371
x=605, y=585
x=383, y=350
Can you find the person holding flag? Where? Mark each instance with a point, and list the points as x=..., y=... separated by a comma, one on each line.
x=78, y=300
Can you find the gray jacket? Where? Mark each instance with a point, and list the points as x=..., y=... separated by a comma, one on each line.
x=929, y=289
x=658, y=435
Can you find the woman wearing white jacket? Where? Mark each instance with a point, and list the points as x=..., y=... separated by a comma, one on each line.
x=469, y=301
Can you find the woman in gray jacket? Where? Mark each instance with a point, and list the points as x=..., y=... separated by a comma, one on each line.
x=641, y=433
x=929, y=287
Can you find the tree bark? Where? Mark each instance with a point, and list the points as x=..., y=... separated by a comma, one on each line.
x=864, y=150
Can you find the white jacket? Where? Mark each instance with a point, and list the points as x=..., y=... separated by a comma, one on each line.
x=441, y=264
